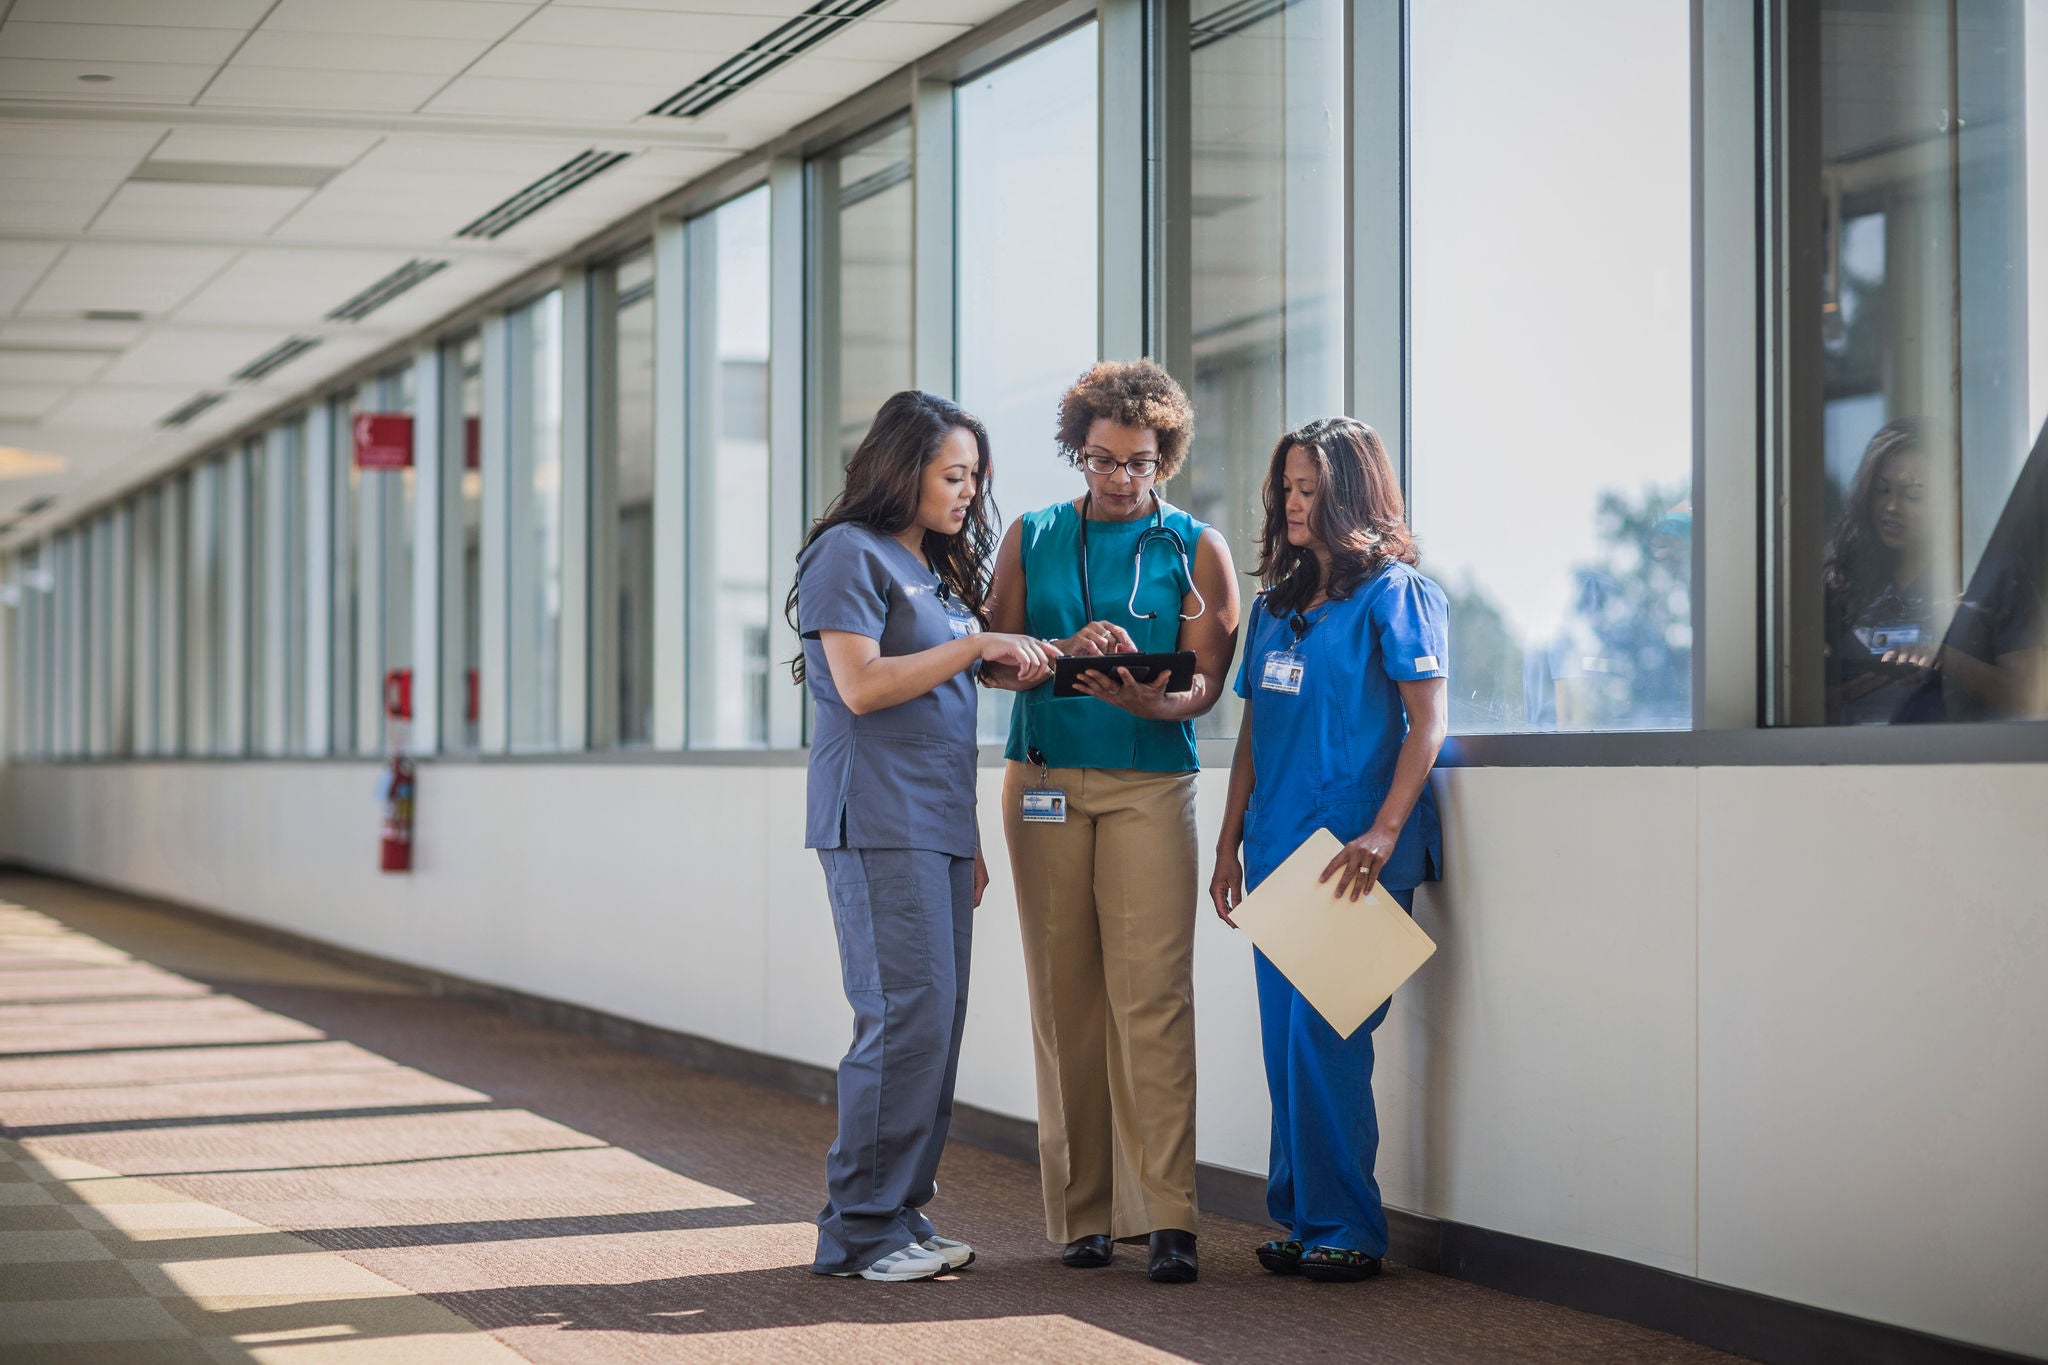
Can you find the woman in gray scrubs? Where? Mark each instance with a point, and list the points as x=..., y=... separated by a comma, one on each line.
x=889, y=599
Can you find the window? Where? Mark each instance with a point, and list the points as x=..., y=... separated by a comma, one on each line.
x=1267, y=239
x=277, y=599
x=1919, y=384
x=533, y=681
x=344, y=508
x=462, y=628
x=862, y=353
x=144, y=674
x=1551, y=361
x=292, y=493
x=631, y=482
x=202, y=498
x=383, y=557
x=728, y=463
x=1024, y=260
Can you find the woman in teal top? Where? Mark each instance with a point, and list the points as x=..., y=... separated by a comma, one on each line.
x=1345, y=708
x=1099, y=810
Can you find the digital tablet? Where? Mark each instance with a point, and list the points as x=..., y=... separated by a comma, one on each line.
x=1144, y=667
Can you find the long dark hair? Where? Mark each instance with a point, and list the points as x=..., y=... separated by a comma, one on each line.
x=885, y=483
x=1858, y=566
x=1359, y=515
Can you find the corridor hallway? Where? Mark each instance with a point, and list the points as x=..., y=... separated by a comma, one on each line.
x=217, y=1150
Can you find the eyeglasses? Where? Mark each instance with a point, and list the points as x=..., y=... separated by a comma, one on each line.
x=1100, y=462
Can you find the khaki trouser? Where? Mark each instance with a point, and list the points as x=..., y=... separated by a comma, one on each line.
x=1107, y=905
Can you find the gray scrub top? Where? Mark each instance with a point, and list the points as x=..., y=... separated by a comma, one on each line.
x=903, y=777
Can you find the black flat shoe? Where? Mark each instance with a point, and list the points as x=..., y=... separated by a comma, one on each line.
x=1173, y=1256
x=1088, y=1253
x=1339, y=1265
x=1282, y=1258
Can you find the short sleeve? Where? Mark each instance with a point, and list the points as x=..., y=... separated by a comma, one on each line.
x=842, y=584
x=1412, y=622
x=1243, y=687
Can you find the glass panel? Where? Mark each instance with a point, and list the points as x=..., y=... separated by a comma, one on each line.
x=1551, y=357
x=395, y=581
x=299, y=573
x=1933, y=360
x=459, y=709
x=264, y=589
x=729, y=469
x=345, y=503
x=871, y=198
x=535, y=604
x=1025, y=252
x=633, y=485
x=1267, y=298
x=142, y=620
x=202, y=486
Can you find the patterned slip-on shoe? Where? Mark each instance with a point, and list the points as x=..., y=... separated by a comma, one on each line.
x=1282, y=1258
x=1339, y=1265
x=958, y=1254
x=905, y=1263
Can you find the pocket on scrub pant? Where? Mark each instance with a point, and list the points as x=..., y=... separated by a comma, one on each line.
x=882, y=940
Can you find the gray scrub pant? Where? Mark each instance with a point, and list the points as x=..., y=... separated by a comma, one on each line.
x=905, y=921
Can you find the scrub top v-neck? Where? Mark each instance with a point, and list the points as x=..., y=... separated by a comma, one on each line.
x=1323, y=756
x=902, y=777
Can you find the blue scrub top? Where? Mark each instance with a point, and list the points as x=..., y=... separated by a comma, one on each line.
x=1324, y=758
x=902, y=777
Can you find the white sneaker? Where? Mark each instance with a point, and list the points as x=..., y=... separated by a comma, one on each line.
x=958, y=1254
x=906, y=1263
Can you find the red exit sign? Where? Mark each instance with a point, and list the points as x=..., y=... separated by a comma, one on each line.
x=383, y=440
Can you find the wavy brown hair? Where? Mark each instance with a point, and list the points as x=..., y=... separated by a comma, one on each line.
x=1129, y=393
x=885, y=483
x=1359, y=515
x=1858, y=567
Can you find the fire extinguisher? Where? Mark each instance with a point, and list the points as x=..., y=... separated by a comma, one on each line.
x=396, y=855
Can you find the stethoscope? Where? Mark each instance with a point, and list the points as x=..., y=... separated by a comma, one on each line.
x=1158, y=531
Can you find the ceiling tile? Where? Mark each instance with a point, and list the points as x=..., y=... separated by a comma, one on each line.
x=942, y=11
x=479, y=19
x=118, y=43
x=76, y=140
x=198, y=210
x=155, y=82
x=99, y=406
x=882, y=41
x=62, y=370
x=107, y=275
x=174, y=355
x=524, y=158
x=584, y=100
x=29, y=401
x=240, y=14
x=723, y=34
x=69, y=193
x=276, y=87
x=359, y=52
x=56, y=219
x=764, y=8
x=103, y=171
x=70, y=332
x=265, y=146
x=287, y=288
x=665, y=68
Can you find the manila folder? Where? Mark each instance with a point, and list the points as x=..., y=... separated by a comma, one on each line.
x=1346, y=957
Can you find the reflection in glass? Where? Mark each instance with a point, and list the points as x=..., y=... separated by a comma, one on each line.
x=729, y=607
x=264, y=589
x=873, y=203
x=1551, y=356
x=1267, y=308
x=459, y=707
x=202, y=495
x=290, y=468
x=632, y=429
x=1024, y=262
x=345, y=503
x=1934, y=360
x=533, y=681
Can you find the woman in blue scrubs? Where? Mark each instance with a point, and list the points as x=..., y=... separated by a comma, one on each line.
x=890, y=598
x=1345, y=709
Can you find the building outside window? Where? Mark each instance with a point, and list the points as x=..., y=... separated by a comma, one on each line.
x=1551, y=356
x=863, y=197
x=462, y=626
x=534, y=618
x=1025, y=265
x=728, y=473
x=631, y=434
x=344, y=508
x=202, y=500
x=1919, y=382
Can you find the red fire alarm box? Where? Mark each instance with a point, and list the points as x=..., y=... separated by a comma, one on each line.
x=398, y=694
x=383, y=440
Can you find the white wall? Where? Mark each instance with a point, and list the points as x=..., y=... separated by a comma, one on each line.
x=1781, y=1028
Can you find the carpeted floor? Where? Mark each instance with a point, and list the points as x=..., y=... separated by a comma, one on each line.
x=222, y=1151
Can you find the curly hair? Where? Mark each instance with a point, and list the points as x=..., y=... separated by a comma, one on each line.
x=1129, y=393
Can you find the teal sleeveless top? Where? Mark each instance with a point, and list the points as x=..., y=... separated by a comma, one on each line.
x=1081, y=732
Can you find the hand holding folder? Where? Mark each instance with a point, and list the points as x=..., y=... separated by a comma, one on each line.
x=1346, y=957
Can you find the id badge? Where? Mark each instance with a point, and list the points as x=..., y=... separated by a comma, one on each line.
x=1045, y=806
x=1878, y=639
x=1283, y=672
x=963, y=625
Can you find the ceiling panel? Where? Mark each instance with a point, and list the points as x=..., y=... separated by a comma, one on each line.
x=883, y=41
x=118, y=43
x=486, y=20
x=59, y=368
x=365, y=91
x=112, y=336
x=663, y=68
x=198, y=210
x=770, y=8
x=240, y=14
x=288, y=287
x=359, y=52
x=265, y=146
x=57, y=220
x=147, y=279
x=28, y=402
x=550, y=99
x=188, y=355
x=943, y=11
x=105, y=171
x=134, y=82
x=79, y=140
x=723, y=34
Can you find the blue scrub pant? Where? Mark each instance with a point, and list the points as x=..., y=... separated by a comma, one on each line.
x=1326, y=1133
x=905, y=921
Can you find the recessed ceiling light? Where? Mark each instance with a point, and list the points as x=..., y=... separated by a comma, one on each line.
x=26, y=464
x=95, y=78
